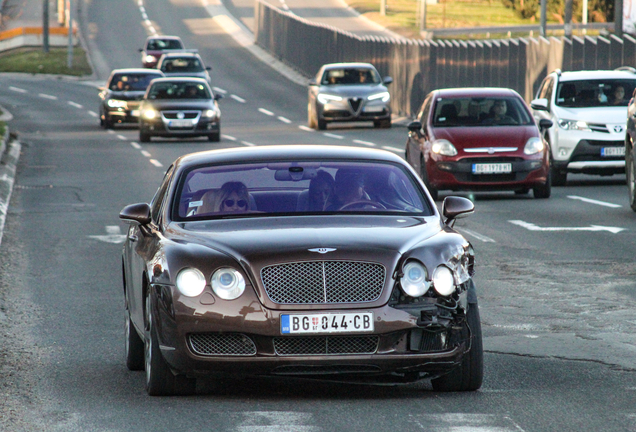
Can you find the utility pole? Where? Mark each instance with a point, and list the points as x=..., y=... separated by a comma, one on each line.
x=568, y=19
x=543, y=17
x=69, y=62
x=383, y=7
x=618, y=18
x=45, y=26
x=422, y=17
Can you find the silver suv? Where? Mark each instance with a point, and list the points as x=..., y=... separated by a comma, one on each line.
x=588, y=110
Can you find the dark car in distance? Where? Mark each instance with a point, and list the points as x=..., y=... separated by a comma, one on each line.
x=479, y=139
x=299, y=260
x=155, y=46
x=179, y=108
x=120, y=98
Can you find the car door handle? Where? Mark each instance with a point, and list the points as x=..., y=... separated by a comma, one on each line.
x=133, y=238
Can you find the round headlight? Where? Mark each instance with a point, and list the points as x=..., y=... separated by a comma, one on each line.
x=228, y=283
x=413, y=281
x=210, y=113
x=443, y=147
x=150, y=114
x=443, y=281
x=533, y=146
x=190, y=282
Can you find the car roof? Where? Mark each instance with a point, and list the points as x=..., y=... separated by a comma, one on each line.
x=180, y=79
x=136, y=70
x=476, y=92
x=163, y=37
x=348, y=65
x=286, y=152
x=595, y=74
x=181, y=54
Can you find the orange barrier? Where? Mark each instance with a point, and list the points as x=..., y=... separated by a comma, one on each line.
x=21, y=31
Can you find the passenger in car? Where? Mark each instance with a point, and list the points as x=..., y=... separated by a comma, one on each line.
x=499, y=114
x=320, y=190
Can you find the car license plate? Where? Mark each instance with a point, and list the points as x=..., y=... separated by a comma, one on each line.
x=134, y=113
x=613, y=151
x=373, y=109
x=327, y=323
x=493, y=168
x=180, y=123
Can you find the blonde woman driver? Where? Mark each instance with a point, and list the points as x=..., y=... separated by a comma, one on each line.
x=231, y=198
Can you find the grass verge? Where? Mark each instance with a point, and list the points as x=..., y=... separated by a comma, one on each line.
x=35, y=60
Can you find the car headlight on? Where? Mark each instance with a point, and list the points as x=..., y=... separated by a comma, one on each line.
x=190, y=282
x=150, y=59
x=209, y=113
x=228, y=283
x=385, y=96
x=443, y=147
x=114, y=103
x=533, y=146
x=150, y=114
x=579, y=125
x=413, y=281
x=326, y=98
x=443, y=281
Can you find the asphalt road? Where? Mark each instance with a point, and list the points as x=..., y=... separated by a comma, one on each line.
x=555, y=277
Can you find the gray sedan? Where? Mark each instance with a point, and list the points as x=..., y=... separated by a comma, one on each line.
x=349, y=92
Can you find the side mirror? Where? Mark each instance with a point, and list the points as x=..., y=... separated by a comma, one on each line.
x=137, y=213
x=415, y=126
x=218, y=96
x=387, y=80
x=208, y=68
x=141, y=50
x=539, y=104
x=313, y=82
x=455, y=207
x=545, y=124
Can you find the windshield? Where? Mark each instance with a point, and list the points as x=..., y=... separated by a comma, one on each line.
x=178, y=65
x=595, y=93
x=179, y=90
x=164, y=44
x=481, y=111
x=132, y=82
x=285, y=188
x=351, y=76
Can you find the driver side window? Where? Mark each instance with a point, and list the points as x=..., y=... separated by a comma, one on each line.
x=159, y=198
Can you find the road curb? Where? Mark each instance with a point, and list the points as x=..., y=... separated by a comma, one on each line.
x=9, y=155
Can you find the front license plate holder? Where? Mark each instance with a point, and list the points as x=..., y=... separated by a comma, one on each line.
x=612, y=151
x=492, y=168
x=329, y=323
x=180, y=123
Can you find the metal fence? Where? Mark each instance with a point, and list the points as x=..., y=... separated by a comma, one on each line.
x=419, y=66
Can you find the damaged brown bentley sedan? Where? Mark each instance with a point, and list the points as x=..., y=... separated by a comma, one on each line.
x=306, y=261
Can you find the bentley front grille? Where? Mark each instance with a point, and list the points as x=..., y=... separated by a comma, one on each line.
x=316, y=282
x=325, y=345
x=215, y=344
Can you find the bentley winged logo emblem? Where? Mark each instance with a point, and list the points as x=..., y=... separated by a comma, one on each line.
x=322, y=250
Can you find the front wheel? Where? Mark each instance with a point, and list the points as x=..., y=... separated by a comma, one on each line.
x=544, y=190
x=134, y=347
x=630, y=170
x=469, y=375
x=214, y=137
x=160, y=381
x=144, y=136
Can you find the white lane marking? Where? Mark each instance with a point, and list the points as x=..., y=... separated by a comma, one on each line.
x=330, y=135
x=305, y=128
x=393, y=149
x=74, y=104
x=237, y=98
x=271, y=421
x=135, y=145
x=146, y=153
x=219, y=90
x=477, y=235
x=110, y=131
x=366, y=143
x=249, y=144
x=533, y=227
x=113, y=235
x=591, y=201
x=93, y=114
x=121, y=137
x=229, y=137
x=144, y=16
x=464, y=422
x=284, y=119
x=156, y=163
x=266, y=112
x=17, y=89
x=47, y=96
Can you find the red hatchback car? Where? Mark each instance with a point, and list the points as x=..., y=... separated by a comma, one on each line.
x=479, y=139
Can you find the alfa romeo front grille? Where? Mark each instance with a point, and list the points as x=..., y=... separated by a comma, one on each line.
x=325, y=345
x=214, y=344
x=316, y=282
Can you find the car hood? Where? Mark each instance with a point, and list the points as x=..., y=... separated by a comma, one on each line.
x=259, y=242
x=487, y=136
x=181, y=104
x=128, y=95
x=356, y=90
x=203, y=75
x=604, y=115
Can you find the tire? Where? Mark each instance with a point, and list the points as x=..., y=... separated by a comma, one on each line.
x=559, y=177
x=107, y=123
x=382, y=124
x=144, y=136
x=630, y=171
x=311, y=119
x=160, y=381
x=322, y=125
x=434, y=193
x=469, y=375
x=545, y=190
x=134, y=347
x=215, y=137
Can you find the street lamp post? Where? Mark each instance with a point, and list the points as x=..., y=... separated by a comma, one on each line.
x=45, y=26
x=69, y=61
